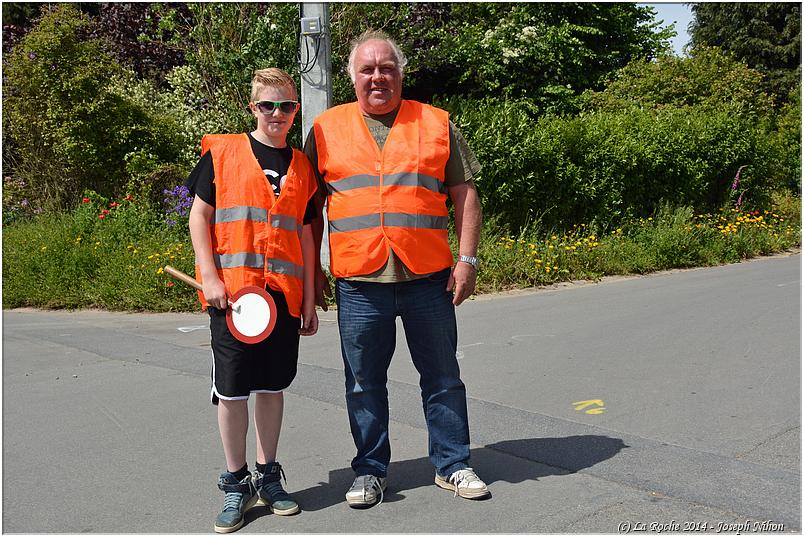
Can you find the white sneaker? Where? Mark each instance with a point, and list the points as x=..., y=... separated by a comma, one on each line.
x=465, y=483
x=366, y=491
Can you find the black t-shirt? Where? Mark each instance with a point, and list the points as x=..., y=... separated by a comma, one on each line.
x=273, y=161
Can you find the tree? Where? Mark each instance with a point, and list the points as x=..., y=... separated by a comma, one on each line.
x=142, y=35
x=547, y=51
x=767, y=36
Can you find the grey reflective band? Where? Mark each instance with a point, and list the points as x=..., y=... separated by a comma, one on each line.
x=240, y=259
x=280, y=266
x=394, y=179
x=282, y=221
x=352, y=182
x=414, y=179
x=354, y=223
x=420, y=221
x=243, y=212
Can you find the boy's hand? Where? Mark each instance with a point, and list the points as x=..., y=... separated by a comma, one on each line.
x=215, y=293
x=309, y=321
x=322, y=288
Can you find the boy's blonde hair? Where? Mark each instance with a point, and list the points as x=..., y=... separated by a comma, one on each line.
x=271, y=78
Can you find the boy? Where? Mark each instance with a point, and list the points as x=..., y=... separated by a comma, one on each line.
x=249, y=225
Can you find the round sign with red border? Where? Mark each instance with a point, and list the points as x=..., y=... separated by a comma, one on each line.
x=251, y=317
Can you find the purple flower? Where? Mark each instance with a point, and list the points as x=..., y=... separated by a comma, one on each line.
x=736, y=182
x=739, y=201
x=178, y=202
x=32, y=55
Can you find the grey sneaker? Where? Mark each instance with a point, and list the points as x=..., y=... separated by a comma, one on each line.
x=240, y=497
x=366, y=491
x=271, y=493
x=465, y=484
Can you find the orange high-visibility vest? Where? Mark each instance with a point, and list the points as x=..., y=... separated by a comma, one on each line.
x=394, y=198
x=256, y=237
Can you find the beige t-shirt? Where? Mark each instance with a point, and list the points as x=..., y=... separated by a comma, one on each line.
x=461, y=167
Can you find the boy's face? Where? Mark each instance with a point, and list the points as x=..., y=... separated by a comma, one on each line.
x=276, y=124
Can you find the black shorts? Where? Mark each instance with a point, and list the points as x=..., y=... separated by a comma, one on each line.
x=239, y=369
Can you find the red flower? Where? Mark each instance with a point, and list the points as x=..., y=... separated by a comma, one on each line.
x=170, y=284
x=84, y=200
x=113, y=204
x=129, y=198
x=104, y=211
x=101, y=216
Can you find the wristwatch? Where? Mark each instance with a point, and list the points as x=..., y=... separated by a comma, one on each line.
x=472, y=260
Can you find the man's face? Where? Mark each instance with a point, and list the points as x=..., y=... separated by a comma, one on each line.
x=378, y=82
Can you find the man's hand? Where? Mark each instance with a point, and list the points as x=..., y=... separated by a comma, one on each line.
x=322, y=288
x=462, y=279
x=309, y=321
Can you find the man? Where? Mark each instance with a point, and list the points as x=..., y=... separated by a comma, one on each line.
x=387, y=166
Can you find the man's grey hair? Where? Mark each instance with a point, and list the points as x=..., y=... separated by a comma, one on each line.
x=371, y=35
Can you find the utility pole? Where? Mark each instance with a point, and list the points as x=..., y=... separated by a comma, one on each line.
x=316, y=81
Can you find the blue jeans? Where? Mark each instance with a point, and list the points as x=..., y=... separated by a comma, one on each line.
x=367, y=314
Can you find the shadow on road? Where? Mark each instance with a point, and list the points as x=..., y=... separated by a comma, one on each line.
x=535, y=458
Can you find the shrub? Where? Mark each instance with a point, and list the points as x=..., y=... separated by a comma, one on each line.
x=70, y=130
x=608, y=166
x=709, y=77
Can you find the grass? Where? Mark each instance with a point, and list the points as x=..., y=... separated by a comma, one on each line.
x=673, y=238
x=110, y=254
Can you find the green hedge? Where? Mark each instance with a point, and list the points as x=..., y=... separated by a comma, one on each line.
x=605, y=166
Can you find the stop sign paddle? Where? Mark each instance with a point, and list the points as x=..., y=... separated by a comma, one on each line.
x=251, y=315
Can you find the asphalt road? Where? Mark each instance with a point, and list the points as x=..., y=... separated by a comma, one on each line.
x=665, y=402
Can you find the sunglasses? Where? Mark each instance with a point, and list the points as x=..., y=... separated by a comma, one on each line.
x=268, y=107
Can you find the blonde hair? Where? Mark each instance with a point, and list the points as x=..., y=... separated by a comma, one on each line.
x=376, y=35
x=271, y=77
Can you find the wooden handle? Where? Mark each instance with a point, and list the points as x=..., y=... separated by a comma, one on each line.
x=179, y=275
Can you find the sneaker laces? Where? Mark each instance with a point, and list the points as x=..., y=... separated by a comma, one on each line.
x=231, y=501
x=368, y=482
x=462, y=478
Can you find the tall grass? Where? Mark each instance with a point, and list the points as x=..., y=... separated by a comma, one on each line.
x=110, y=254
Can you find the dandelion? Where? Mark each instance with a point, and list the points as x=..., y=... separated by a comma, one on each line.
x=160, y=270
x=44, y=248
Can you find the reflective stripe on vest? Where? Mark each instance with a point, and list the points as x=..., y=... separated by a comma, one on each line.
x=280, y=266
x=394, y=179
x=418, y=221
x=281, y=221
x=240, y=259
x=243, y=212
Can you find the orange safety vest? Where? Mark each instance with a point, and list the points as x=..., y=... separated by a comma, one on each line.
x=394, y=198
x=256, y=237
